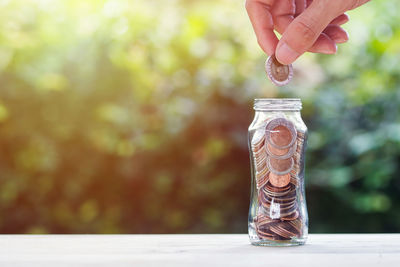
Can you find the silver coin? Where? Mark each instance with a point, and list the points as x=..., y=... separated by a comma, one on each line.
x=278, y=73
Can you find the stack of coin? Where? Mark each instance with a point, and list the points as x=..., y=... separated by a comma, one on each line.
x=260, y=157
x=281, y=145
x=278, y=202
x=299, y=151
x=277, y=151
x=268, y=228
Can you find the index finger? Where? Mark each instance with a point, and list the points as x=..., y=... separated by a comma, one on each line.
x=260, y=16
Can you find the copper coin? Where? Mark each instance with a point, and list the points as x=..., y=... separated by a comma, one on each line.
x=287, y=213
x=294, y=216
x=280, y=166
x=283, y=209
x=286, y=226
x=276, y=194
x=300, y=134
x=266, y=202
x=273, y=195
x=279, y=180
x=286, y=200
x=281, y=197
x=280, y=153
x=262, y=220
x=296, y=168
x=277, y=190
x=258, y=148
x=259, y=155
x=260, y=165
x=299, y=147
x=276, y=151
x=294, y=180
x=262, y=173
x=263, y=235
x=281, y=133
x=280, y=230
x=262, y=181
x=278, y=73
x=281, y=136
x=297, y=225
x=273, y=189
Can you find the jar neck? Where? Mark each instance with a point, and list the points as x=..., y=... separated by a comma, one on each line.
x=277, y=104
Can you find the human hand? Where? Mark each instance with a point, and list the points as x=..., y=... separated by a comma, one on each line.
x=305, y=25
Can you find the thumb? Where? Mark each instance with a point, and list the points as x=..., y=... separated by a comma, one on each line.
x=303, y=31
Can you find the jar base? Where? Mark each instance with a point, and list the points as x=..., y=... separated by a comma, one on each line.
x=279, y=243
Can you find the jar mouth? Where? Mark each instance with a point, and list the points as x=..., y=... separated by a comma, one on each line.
x=284, y=104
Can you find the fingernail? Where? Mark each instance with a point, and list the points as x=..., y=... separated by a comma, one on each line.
x=285, y=54
x=329, y=51
x=340, y=40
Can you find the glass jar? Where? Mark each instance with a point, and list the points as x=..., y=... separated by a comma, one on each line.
x=277, y=142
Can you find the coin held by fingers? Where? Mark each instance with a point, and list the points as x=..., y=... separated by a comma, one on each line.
x=278, y=73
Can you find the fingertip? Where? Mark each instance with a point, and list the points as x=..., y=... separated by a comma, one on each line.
x=346, y=16
x=340, y=40
x=285, y=54
x=337, y=34
x=341, y=19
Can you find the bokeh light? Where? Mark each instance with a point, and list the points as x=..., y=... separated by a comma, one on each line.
x=131, y=117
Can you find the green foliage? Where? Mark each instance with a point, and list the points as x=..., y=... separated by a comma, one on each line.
x=131, y=117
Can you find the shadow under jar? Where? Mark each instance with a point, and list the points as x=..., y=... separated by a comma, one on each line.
x=277, y=142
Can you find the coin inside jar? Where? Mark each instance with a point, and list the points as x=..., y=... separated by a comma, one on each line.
x=281, y=133
x=279, y=180
x=280, y=153
x=276, y=151
x=278, y=73
x=281, y=136
x=280, y=166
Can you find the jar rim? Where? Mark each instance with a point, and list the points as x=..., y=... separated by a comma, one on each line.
x=284, y=104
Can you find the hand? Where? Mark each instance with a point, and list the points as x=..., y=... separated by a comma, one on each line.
x=305, y=25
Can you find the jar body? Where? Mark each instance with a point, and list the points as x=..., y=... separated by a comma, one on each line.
x=277, y=142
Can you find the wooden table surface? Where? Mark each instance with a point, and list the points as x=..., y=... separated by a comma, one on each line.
x=197, y=250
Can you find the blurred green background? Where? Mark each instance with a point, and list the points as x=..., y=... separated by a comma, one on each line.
x=131, y=117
